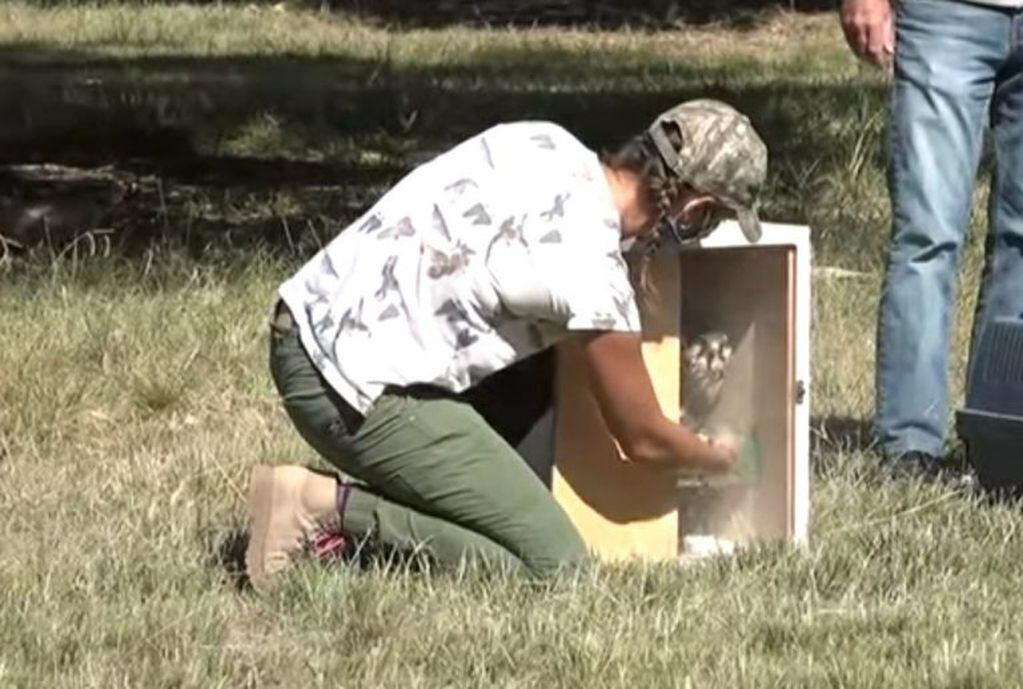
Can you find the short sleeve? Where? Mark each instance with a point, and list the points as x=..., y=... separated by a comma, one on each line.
x=595, y=294
x=559, y=261
x=587, y=275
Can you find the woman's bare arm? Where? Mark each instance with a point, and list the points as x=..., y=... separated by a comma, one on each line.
x=630, y=409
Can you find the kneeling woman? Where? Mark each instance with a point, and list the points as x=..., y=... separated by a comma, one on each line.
x=494, y=250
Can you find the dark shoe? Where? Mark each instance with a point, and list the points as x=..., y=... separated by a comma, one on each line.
x=911, y=465
x=926, y=468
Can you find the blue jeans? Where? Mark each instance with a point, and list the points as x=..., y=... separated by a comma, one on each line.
x=958, y=69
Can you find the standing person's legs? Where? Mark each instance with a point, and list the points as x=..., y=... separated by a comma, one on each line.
x=437, y=479
x=1001, y=290
x=947, y=55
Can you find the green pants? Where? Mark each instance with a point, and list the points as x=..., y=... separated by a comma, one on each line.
x=432, y=476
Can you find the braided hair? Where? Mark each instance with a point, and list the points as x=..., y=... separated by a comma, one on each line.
x=660, y=189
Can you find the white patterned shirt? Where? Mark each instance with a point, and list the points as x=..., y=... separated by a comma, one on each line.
x=480, y=257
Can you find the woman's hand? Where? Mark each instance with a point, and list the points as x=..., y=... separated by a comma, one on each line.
x=724, y=448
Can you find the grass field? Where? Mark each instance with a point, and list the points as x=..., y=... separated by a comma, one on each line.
x=134, y=396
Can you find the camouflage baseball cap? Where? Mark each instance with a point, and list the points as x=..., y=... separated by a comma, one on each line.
x=720, y=155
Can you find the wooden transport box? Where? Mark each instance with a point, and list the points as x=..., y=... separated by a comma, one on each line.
x=755, y=298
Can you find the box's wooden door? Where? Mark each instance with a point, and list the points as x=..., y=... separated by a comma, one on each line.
x=748, y=293
x=622, y=510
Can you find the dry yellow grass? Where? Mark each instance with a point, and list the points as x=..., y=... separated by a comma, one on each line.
x=134, y=398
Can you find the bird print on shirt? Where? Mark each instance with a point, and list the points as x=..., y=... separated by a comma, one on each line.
x=443, y=264
x=388, y=281
x=544, y=141
x=459, y=187
x=479, y=215
x=403, y=228
x=557, y=210
x=372, y=224
x=507, y=234
x=351, y=320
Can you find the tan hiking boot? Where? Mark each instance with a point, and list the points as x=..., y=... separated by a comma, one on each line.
x=290, y=507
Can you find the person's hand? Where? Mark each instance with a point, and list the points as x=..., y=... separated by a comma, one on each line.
x=870, y=30
x=723, y=448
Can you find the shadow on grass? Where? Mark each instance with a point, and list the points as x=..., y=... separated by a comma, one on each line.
x=650, y=14
x=287, y=150
x=601, y=14
x=842, y=433
x=837, y=440
x=228, y=554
